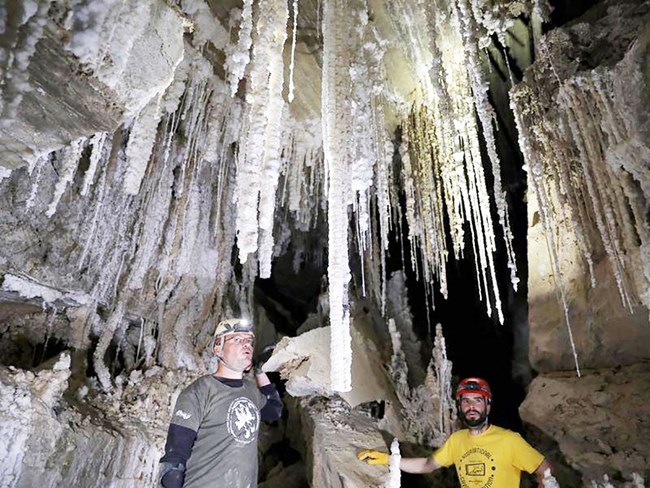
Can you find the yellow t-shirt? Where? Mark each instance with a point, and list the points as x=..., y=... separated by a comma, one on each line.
x=493, y=459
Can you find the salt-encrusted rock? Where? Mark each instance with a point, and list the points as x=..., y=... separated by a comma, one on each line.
x=115, y=439
x=601, y=422
x=332, y=436
x=304, y=361
x=582, y=113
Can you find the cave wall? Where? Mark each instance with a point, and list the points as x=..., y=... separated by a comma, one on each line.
x=584, y=128
x=120, y=140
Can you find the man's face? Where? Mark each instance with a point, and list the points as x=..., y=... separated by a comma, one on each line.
x=238, y=349
x=473, y=409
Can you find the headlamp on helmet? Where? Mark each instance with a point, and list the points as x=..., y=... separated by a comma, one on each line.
x=474, y=385
x=228, y=327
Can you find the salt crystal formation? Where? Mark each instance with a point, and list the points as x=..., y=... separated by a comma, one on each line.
x=181, y=138
x=442, y=169
x=394, y=475
x=578, y=131
x=428, y=409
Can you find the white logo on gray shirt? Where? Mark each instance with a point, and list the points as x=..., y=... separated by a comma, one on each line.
x=183, y=415
x=243, y=420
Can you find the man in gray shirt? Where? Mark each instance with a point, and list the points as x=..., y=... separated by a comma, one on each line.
x=212, y=438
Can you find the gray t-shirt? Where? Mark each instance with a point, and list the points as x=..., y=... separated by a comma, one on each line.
x=226, y=420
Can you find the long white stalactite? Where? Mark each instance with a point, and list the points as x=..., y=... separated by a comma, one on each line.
x=336, y=164
x=258, y=169
x=294, y=33
x=271, y=162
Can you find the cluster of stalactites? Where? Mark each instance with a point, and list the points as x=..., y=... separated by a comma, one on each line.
x=443, y=171
x=279, y=159
x=259, y=161
x=583, y=163
x=169, y=214
x=160, y=218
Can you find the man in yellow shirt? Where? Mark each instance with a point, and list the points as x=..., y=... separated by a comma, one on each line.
x=485, y=456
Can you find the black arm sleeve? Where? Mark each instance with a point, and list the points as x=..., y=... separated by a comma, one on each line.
x=273, y=408
x=178, y=447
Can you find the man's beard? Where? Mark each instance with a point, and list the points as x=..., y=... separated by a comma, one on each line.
x=476, y=422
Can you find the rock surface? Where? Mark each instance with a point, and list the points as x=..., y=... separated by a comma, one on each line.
x=303, y=362
x=107, y=440
x=332, y=435
x=601, y=422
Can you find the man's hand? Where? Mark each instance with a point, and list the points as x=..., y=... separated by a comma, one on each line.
x=263, y=356
x=370, y=456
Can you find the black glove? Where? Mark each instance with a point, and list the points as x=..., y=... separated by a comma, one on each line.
x=262, y=357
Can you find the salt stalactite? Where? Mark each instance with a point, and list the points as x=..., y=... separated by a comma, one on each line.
x=575, y=198
x=442, y=167
x=140, y=145
x=185, y=217
x=336, y=163
x=293, y=49
x=394, y=475
x=239, y=56
x=195, y=225
x=259, y=157
x=537, y=179
x=601, y=196
x=368, y=142
x=97, y=207
x=487, y=118
x=97, y=142
x=207, y=26
x=15, y=82
x=610, y=211
x=109, y=229
x=383, y=203
x=427, y=194
x=113, y=322
x=70, y=158
x=303, y=191
x=452, y=170
x=271, y=162
x=36, y=172
x=408, y=183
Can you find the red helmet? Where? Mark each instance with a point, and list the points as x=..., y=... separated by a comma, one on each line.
x=474, y=385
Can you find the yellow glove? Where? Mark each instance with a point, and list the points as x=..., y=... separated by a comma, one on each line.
x=373, y=457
